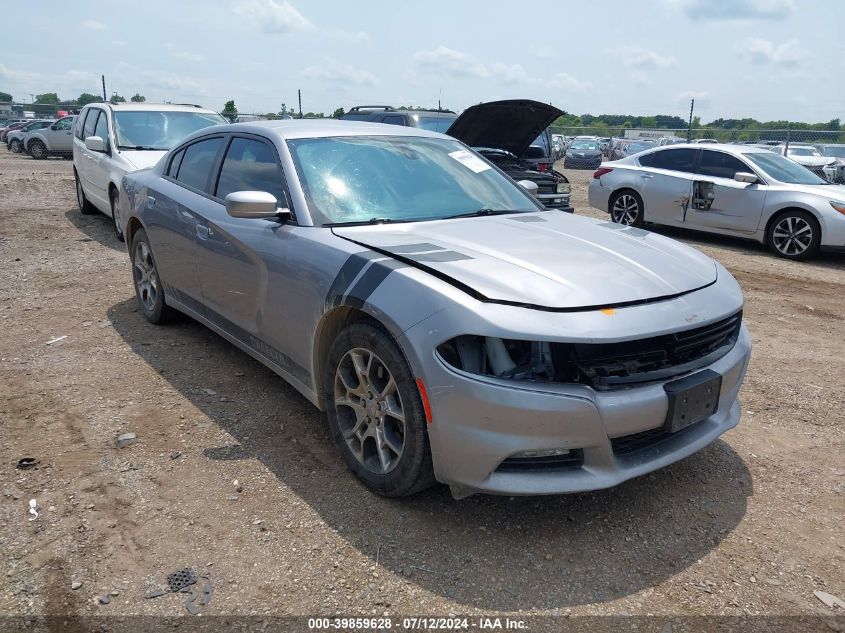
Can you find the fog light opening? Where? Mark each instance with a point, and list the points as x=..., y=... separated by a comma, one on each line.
x=554, y=452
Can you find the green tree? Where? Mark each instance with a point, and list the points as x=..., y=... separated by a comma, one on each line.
x=229, y=110
x=338, y=113
x=116, y=98
x=5, y=96
x=47, y=97
x=86, y=97
x=137, y=98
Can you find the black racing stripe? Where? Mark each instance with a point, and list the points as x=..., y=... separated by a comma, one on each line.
x=529, y=218
x=347, y=273
x=370, y=280
x=442, y=256
x=413, y=248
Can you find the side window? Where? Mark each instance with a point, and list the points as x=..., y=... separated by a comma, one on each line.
x=720, y=165
x=394, y=119
x=102, y=129
x=196, y=165
x=90, y=123
x=174, y=163
x=250, y=165
x=64, y=124
x=674, y=159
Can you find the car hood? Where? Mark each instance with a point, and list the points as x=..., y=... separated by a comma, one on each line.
x=813, y=161
x=142, y=159
x=831, y=192
x=546, y=260
x=511, y=125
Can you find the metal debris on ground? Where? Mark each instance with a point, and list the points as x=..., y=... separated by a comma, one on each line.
x=24, y=463
x=829, y=599
x=199, y=597
x=180, y=579
x=33, y=504
x=125, y=439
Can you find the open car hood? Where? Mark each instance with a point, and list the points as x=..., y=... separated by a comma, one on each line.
x=510, y=125
x=545, y=260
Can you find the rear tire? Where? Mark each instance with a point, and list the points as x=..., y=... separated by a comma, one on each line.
x=375, y=412
x=794, y=234
x=113, y=202
x=148, y=286
x=38, y=150
x=15, y=146
x=626, y=207
x=85, y=207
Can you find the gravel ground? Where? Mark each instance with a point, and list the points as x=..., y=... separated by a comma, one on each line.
x=751, y=525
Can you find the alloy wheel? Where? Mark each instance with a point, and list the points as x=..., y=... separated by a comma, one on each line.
x=115, y=218
x=625, y=210
x=146, y=276
x=792, y=236
x=369, y=410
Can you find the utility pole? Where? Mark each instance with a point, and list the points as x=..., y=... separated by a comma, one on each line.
x=299, y=95
x=689, y=128
x=103, y=77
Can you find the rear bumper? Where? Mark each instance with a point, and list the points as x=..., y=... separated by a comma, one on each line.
x=479, y=422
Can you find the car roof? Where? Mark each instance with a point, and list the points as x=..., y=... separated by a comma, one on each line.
x=284, y=129
x=152, y=107
x=725, y=147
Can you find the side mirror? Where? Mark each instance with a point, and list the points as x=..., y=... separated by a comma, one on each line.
x=254, y=205
x=95, y=144
x=55, y=126
x=530, y=186
x=747, y=177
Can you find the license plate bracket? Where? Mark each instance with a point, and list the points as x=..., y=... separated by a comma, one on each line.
x=692, y=399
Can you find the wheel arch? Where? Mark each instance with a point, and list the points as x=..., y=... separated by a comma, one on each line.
x=132, y=228
x=791, y=207
x=618, y=191
x=330, y=325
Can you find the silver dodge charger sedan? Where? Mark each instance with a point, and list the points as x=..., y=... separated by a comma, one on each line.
x=451, y=328
x=727, y=189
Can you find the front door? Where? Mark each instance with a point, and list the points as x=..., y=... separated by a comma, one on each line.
x=719, y=201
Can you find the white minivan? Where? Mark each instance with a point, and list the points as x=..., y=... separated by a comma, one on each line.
x=113, y=139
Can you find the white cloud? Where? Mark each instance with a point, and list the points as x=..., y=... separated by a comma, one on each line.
x=67, y=84
x=565, y=81
x=444, y=60
x=273, y=16
x=330, y=70
x=762, y=51
x=94, y=25
x=734, y=10
x=643, y=58
x=451, y=62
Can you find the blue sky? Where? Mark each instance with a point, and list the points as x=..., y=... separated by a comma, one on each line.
x=767, y=59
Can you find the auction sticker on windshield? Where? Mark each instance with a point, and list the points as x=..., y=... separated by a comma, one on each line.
x=470, y=160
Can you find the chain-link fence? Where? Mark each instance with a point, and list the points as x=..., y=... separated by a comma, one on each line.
x=821, y=151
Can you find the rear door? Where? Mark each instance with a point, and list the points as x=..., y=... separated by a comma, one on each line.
x=666, y=183
x=173, y=214
x=86, y=156
x=720, y=202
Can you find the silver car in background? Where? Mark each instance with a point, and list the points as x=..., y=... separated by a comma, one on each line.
x=727, y=189
x=452, y=328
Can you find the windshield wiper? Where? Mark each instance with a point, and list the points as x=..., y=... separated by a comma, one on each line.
x=365, y=222
x=481, y=212
x=142, y=148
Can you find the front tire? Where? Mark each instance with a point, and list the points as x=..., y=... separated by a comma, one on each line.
x=148, y=286
x=38, y=150
x=113, y=202
x=626, y=207
x=85, y=207
x=794, y=235
x=375, y=413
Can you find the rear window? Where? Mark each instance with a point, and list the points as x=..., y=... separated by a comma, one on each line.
x=680, y=159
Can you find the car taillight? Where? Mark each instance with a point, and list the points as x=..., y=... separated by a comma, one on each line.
x=601, y=171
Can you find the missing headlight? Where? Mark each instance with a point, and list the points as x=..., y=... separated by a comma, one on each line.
x=502, y=358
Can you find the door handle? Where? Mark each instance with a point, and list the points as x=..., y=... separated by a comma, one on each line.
x=151, y=201
x=203, y=232
x=646, y=176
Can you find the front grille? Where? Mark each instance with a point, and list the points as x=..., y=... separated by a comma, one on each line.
x=571, y=461
x=614, y=365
